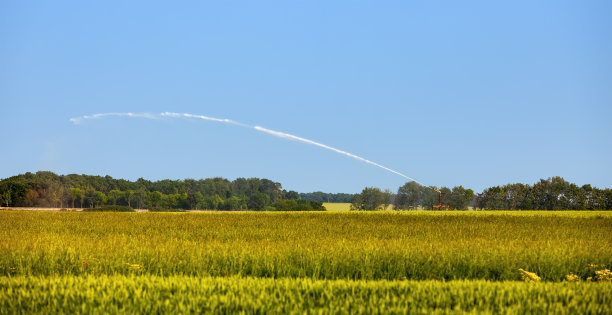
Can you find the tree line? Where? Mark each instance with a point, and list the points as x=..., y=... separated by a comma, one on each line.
x=327, y=197
x=548, y=194
x=47, y=189
x=412, y=196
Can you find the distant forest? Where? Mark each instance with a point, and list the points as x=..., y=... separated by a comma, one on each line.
x=327, y=197
x=46, y=189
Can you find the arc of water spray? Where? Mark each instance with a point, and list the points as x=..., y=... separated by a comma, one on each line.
x=292, y=137
x=186, y=115
x=279, y=134
x=79, y=120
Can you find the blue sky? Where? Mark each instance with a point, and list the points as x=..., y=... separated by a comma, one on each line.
x=472, y=93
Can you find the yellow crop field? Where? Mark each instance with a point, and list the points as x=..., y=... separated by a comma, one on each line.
x=147, y=294
x=337, y=206
x=343, y=206
x=333, y=261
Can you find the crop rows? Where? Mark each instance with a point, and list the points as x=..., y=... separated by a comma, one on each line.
x=179, y=294
x=368, y=246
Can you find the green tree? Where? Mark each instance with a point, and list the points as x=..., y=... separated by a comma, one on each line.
x=371, y=198
x=429, y=197
x=290, y=195
x=234, y=203
x=608, y=197
x=113, y=196
x=176, y=201
x=240, y=187
x=7, y=197
x=90, y=196
x=494, y=198
x=304, y=205
x=258, y=201
x=212, y=202
x=516, y=196
x=128, y=197
x=407, y=196
x=77, y=194
x=595, y=199
x=56, y=190
x=140, y=198
x=599, y=199
x=155, y=200
x=66, y=196
x=460, y=198
x=195, y=200
x=270, y=188
x=99, y=198
x=576, y=198
x=317, y=205
x=286, y=205
x=559, y=193
x=170, y=201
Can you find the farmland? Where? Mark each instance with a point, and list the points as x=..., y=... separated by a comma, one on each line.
x=406, y=257
x=179, y=294
x=343, y=206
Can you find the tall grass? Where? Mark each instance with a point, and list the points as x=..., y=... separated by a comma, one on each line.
x=407, y=245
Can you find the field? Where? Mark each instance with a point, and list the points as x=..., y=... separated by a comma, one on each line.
x=290, y=262
x=343, y=206
x=179, y=294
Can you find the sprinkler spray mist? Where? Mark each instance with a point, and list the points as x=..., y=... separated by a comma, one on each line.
x=279, y=134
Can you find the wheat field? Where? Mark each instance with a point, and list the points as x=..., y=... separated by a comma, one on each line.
x=392, y=255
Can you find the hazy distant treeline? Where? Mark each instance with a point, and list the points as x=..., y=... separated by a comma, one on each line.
x=46, y=189
x=327, y=197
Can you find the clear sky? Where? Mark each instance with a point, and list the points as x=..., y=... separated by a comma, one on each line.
x=472, y=93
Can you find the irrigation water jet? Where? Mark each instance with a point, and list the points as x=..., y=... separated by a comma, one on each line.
x=79, y=120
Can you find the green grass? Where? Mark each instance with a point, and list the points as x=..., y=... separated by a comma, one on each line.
x=180, y=295
x=323, y=245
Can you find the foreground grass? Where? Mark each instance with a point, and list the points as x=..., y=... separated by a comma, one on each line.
x=324, y=245
x=179, y=294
